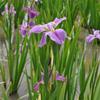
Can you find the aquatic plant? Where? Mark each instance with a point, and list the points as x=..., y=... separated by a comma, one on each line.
x=45, y=48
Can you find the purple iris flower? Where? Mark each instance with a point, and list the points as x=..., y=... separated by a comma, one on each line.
x=10, y=10
x=24, y=28
x=37, y=85
x=95, y=35
x=41, y=81
x=60, y=77
x=56, y=35
x=31, y=12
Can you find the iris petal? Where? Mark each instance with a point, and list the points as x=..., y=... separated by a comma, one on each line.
x=60, y=78
x=57, y=21
x=90, y=38
x=36, y=87
x=23, y=29
x=61, y=33
x=57, y=36
x=43, y=40
x=31, y=12
x=97, y=34
x=54, y=37
x=37, y=29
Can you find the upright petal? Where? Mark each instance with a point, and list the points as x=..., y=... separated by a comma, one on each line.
x=57, y=21
x=49, y=26
x=31, y=24
x=98, y=36
x=31, y=12
x=90, y=38
x=97, y=33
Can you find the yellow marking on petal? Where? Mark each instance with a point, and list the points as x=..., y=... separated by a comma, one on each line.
x=45, y=28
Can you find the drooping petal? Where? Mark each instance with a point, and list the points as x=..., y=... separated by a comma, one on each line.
x=90, y=38
x=37, y=29
x=61, y=34
x=54, y=37
x=57, y=21
x=57, y=36
x=43, y=40
x=60, y=77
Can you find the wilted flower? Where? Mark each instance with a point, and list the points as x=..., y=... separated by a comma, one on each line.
x=56, y=35
x=95, y=35
x=8, y=10
x=31, y=12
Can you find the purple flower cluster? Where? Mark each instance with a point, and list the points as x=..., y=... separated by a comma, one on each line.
x=95, y=35
x=41, y=81
x=25, y=27
x=8, y=10
x=49, y=29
